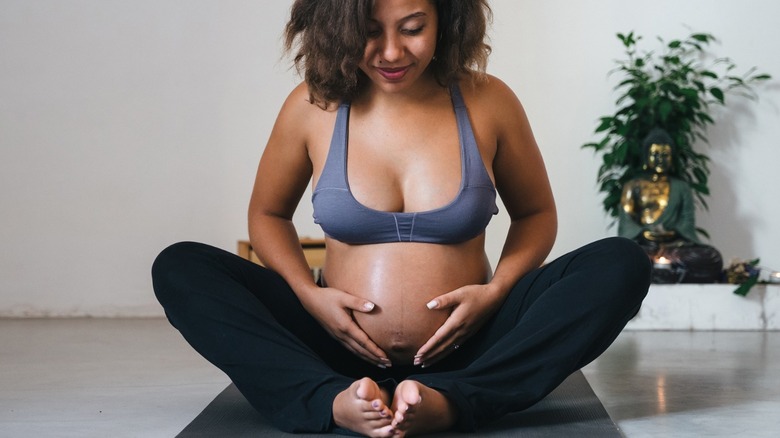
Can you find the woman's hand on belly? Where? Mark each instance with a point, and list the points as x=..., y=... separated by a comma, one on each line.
x=469, y=308
x=400, y=325
x=400, y=278
x=334, y=309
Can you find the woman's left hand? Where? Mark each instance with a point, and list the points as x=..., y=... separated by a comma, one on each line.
x=470, y=307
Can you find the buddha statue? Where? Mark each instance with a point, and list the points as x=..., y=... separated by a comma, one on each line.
x=657, y=211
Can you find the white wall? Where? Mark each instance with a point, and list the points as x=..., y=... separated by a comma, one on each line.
x=126, y=126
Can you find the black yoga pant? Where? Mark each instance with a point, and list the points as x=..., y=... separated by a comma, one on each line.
x=246, y=320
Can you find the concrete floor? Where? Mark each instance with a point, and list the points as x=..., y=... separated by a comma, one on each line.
x=138, y=378
x=691, y=384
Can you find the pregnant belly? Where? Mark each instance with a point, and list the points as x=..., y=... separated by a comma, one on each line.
x=401, y=324
x=400, y=279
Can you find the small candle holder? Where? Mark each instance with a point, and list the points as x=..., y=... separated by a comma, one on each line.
x=774, y=277
x=665, y=271
x=662, y=262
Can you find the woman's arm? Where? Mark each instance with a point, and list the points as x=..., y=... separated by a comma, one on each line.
x=522, y=182
x=284, y=171
x=282, y=176
x=502, y=128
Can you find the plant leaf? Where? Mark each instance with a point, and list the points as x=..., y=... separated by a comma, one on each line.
x=606, y=123
x=717, y=93
x=703, y=37
x=745, y=287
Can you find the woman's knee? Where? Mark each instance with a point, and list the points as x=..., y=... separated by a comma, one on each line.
x=627, y=264
x=175, y=257
x=629, y=256
x=174, y=265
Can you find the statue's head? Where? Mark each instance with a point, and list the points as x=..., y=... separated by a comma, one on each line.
x=658, y=150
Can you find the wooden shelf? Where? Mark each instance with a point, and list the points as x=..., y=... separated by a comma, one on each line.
x=313, y=250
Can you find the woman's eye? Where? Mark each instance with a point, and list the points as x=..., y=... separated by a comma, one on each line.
x=414, y=31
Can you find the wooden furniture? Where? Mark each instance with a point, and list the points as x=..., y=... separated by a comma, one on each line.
x=313, y=250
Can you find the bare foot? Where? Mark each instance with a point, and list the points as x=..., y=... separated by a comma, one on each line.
x=362, y=408
x=419, y=409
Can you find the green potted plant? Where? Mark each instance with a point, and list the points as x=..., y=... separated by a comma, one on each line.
x=675, y=89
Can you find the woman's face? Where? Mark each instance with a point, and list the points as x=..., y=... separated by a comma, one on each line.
x=401, y=43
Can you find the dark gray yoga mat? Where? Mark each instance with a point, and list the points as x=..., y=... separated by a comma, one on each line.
x=571, y=410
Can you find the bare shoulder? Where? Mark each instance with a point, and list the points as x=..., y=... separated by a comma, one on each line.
x=491, y=101
x=488, y=92
x=299, y=108
x=495, y=108
x=300, y=122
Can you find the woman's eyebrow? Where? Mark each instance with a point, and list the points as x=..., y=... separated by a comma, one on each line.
x=413, y=15
x=404, y=19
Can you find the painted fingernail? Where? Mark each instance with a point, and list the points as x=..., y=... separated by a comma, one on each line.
x=375, y=404
x=432, y=304
x=417, y=361
x=368, y=306
x=381, y=365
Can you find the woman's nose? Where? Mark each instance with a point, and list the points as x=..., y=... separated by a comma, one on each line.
x=392, y=49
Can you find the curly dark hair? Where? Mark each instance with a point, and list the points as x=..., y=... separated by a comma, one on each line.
x=330, y=37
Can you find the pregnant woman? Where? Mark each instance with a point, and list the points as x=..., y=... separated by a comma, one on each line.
x=406, y=142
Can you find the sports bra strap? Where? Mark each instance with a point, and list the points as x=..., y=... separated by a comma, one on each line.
x=457, y=98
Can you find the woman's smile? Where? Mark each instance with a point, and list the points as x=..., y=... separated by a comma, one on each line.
x=393, y=73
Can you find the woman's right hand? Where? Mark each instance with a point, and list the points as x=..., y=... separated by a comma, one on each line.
x=333, y=309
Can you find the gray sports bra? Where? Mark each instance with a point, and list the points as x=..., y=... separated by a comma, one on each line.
x=345, y=219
